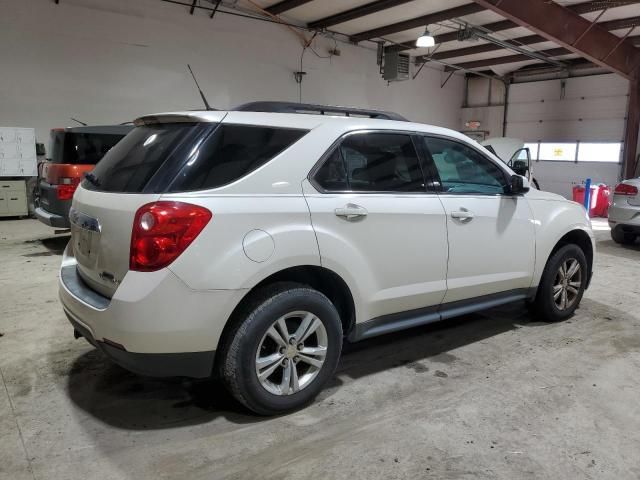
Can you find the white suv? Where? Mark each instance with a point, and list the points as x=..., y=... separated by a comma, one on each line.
x=249, y=243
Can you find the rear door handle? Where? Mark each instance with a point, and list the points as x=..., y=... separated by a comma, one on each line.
x=351, y=211
x=463, y=214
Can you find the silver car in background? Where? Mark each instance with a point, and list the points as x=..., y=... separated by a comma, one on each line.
x=624, y=212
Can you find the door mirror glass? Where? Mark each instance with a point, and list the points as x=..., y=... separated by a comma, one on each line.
x=519, y=185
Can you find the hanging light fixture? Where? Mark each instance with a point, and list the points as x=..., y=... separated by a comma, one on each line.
x=426, y=40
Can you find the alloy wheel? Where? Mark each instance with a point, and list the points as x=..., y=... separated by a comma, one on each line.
x=567, y=284
x=291, y=353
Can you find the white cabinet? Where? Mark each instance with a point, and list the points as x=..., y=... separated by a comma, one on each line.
x=17, y=152
x=13, y=198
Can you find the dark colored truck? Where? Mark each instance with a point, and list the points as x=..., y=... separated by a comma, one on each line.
x=74, y=152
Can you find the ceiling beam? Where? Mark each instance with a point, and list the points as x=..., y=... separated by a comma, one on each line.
x=285, y=5
x=356, y=12
x=571, y=31
x=571, y=63
x=579, y=8
x=528, y=40
x=422, y=21
x=488, y=62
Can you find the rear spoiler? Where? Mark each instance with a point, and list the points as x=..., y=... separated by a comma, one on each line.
x=180, y=117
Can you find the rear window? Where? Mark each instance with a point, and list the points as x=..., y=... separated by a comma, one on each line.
x=177, y=157
x=132, y=163
x=81, y=148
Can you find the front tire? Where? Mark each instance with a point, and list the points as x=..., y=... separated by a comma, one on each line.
x=563, y=283
x=284, y=348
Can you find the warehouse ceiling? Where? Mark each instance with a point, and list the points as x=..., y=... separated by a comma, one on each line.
x=496, y=45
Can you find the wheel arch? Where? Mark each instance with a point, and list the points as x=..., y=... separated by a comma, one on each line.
x=581, y=238
x=319, y=278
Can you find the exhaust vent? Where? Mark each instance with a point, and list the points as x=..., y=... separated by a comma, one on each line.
x=396, y=66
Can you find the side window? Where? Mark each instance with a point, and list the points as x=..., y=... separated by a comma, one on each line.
x=373, y=162
x=463, y=170
x=332, y=175
x=231, y=152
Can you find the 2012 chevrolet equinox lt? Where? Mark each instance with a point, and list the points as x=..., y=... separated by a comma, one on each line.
x=250, y=243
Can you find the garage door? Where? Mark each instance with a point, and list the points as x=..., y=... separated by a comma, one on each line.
x=574, y=126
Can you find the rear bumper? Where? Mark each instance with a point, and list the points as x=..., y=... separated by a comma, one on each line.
x=621, y=213
x=153, y=325
x=194, y=364
x=52, y=219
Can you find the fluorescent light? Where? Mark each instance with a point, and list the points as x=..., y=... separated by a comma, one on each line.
x=426, y=40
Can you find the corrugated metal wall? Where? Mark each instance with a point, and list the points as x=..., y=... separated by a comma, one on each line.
x=585, y=109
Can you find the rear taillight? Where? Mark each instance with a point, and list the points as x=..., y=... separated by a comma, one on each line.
x=66, y=187
x=162, y=231
x=625, y=189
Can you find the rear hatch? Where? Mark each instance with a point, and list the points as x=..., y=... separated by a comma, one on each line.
x=166, y=154
x=128, y=177
x=74, y=151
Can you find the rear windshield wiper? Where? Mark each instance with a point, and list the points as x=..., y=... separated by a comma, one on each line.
x=92, y=179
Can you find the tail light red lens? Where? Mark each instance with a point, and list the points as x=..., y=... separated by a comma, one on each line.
x=625, y=189
x=66, y=187
x=65, y=192
x=162, y=231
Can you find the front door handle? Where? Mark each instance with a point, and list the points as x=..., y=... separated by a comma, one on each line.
x=463, y=215
x=351, y=211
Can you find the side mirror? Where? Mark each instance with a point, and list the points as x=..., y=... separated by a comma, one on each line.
x=519, y=185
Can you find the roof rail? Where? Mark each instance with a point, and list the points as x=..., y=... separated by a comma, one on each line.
x=293, y=107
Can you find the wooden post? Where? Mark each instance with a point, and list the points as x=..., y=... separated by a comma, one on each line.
x=631, y=129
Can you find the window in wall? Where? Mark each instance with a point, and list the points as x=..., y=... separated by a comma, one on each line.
x=533, y=148
x=599, y=152
x=558, y=151
x=464, y=170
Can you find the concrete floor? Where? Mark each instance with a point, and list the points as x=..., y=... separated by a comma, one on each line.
x=497, y=395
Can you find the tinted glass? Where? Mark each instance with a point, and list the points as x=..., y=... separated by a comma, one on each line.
x=332, y=175
x=130, y=165
x=464, y=170
x=231, y=152
x=374, y=162
x=81, y=148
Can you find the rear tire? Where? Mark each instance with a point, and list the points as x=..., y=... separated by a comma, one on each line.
x=620, y=236
x=563, y=283
x=283, y=349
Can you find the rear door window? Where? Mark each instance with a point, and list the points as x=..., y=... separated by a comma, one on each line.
x=372, y=162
